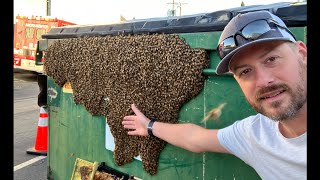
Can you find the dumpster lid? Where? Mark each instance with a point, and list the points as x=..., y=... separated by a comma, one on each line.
x=293, y=14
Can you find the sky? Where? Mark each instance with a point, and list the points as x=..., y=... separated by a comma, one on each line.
x=109, y=11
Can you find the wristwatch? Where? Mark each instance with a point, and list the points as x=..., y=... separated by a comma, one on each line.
x=149, y=128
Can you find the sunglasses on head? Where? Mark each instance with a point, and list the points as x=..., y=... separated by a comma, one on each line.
x=251, y=31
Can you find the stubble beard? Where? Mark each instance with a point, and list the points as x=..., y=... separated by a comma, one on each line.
x=298, y=97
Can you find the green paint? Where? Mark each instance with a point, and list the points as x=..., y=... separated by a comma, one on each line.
x=218, y=90
x=205, y=40
x=73, y=133
x=300, y=33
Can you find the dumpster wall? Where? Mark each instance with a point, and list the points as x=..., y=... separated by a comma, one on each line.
x=157, y=72
x=76, y=133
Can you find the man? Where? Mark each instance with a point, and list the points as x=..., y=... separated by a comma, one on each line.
x=271, y=68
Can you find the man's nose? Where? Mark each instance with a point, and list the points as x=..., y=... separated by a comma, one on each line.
x=264, y=77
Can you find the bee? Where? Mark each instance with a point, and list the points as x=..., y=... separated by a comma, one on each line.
x=214, y=113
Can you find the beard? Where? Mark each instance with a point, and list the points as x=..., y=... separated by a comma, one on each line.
x=298, y=97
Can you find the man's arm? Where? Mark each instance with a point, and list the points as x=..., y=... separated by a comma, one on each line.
x=188, y=136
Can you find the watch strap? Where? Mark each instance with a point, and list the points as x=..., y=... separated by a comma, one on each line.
x=149, y=128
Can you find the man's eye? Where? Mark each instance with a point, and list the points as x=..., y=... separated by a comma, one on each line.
x=270, y=59
x=244, y=72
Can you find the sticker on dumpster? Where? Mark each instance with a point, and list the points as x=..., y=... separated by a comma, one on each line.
x=110, y=141
x=52, y=93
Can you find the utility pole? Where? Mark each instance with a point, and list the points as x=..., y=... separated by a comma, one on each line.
x=48, y=7
x=179, y=6
x=173, y=6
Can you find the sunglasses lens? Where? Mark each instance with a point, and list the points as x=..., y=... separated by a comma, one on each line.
x=251, y=31
x=226, y=46
x=255, y=29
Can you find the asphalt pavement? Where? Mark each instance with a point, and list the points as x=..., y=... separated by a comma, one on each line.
x=26, y=116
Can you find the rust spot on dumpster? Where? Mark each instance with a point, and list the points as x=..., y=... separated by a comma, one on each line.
x=159, y=73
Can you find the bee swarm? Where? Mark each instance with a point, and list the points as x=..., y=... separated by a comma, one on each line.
x=158, y=72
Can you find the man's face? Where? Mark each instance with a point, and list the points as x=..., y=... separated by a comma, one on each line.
x=272, y=76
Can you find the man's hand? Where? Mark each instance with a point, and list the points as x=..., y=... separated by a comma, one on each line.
x=136, y=123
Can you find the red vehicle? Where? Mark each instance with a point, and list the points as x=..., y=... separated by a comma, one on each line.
x=27, y=32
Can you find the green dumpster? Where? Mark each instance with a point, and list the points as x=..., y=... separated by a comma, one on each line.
x=76, y=133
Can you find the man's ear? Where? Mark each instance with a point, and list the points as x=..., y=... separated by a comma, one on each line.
x=302, y=48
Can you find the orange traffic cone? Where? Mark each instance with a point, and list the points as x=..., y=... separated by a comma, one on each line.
x=41, y=142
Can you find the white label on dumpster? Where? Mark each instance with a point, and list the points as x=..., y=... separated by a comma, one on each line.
x=110, y=141
x=52, y=93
